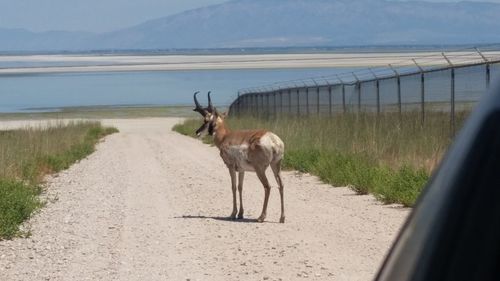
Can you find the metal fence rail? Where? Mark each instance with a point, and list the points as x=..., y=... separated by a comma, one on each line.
x=441, y=82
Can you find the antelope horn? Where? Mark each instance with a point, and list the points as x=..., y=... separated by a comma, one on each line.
x=210, y=106
x=198, y=108
x=196, y=100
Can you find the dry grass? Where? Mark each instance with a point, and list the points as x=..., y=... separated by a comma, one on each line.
x=27, y=155
x=387, y=138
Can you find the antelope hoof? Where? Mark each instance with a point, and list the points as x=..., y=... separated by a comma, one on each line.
x=233, y=215
x=282, y=220
x=261, y=219
x=240, y=215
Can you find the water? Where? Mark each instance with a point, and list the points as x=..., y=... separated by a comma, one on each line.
x=39, y=92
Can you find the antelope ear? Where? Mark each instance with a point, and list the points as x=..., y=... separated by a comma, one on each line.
x=223, y=115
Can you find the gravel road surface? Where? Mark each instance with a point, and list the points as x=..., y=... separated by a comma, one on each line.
x=151, y=204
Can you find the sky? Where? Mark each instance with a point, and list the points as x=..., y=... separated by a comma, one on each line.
x=96, y=15
x=89, y=15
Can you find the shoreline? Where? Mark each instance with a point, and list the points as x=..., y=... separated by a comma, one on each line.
x=101, y=112
x=120, y=63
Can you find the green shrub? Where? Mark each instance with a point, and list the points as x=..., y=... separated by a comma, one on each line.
x=17, y=202
x=27, y=155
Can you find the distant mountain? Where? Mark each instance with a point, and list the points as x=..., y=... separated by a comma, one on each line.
x=23, y=40
x=277, y=23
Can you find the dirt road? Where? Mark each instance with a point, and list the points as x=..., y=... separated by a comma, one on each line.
x=150, y=204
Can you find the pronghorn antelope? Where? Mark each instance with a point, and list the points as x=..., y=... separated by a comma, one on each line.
x=249, y=150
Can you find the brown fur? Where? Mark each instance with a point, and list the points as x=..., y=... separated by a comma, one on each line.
x=250, y=137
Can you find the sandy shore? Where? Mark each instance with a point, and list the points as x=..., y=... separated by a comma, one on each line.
x=108, y=63
x=150, y=204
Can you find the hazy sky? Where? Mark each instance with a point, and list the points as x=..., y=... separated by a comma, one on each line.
x=89, y=15
x=95, y=15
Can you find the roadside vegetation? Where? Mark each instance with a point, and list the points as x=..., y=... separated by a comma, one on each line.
x=27, y=155
x=388, y=156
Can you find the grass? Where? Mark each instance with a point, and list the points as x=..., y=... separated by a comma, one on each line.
x=388, y=156
x=27, y=155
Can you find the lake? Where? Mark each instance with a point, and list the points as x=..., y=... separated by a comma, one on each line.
x=38, y=91
x=45, y=82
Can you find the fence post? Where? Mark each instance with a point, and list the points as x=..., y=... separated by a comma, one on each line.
x=263, y=105
x=268, y=107
x=377, y=88
x=487, y=68
x=422, y=90
x=260, y=102
x=398, y=77
x=263, y=97
x=422, y=95
x=238, y=100
x=298, y=102
x=251, y=103
x=240, y=105
x=359, y=97
x=269, y=101
x=344, y=108
x=275, y=108
x=452, y=94
x=243, y=103
x=264, y=108
x=237, y=105
x=317, y=100
x=452, y=113
x=399, y=98
x=358, y=90
x=307, y=101
x=378, y=97
x=271, y=109
x=255, y=100
x=343, y=98
x=281, y=102
x=330, y=100
x=290, y=101
x=256, y=104
x=488, y=76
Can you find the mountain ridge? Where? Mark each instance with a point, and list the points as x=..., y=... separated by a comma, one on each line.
x=285, y=23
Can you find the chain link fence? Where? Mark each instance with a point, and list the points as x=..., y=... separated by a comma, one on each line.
x=442, y=82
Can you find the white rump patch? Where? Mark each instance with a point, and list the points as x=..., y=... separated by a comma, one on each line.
x=274, y=144
x=239, y=154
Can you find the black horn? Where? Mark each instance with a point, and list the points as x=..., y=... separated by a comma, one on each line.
x=198, y=108
x=210, y=107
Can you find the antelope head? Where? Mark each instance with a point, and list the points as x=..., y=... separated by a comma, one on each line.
x=210, y=117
